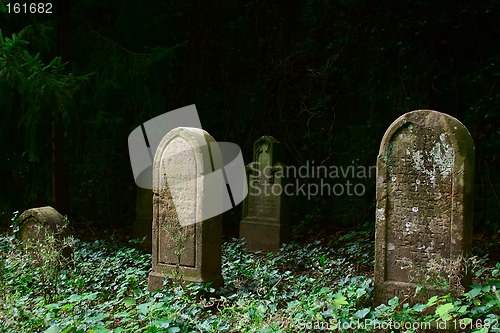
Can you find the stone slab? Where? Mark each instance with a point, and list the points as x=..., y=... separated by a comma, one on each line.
x=184, y=244
x=425, y=177
x=265, y=224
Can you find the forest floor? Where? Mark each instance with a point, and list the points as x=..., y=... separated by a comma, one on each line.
x=323, y=278
x=483, y=243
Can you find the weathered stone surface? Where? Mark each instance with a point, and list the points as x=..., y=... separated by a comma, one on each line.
x=265, y=215
x=425, y=177
x=184, y=243
x=35, y=223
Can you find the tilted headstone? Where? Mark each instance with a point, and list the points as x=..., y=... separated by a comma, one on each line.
x=425, y=177
x=187, y=227
x=265, y=216
x=36, y=224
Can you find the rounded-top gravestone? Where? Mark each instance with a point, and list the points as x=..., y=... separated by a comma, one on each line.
x=265, y=223
x=425, y=177
x=35, y=223
x=188, y=196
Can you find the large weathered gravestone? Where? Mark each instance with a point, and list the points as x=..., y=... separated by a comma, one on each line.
x=425, y=177
x=265, y=215
x=185, y=243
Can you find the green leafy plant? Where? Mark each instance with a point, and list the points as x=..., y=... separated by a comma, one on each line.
x=178, y=235
x=308, y=287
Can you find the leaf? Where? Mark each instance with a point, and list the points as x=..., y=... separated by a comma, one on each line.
x=466, y=321
x=393, y=302
x=74, y=298
x=121, y=314
x=324, y=290
x=161, y=323
x=462, y=309
x=53, y=306
x=361, y=313
x=431, y=301
x=322, y=260
x=96, y=318
x=482, y=330
x=418, y=289
x=53, y=329
x=91, y=296
x=261, y=308
x=129, y=301
x=443, y=311
x=476, y=290
x=419, y=307
x=360, y=292
x=101, y=329
x=339, y=300
x=144, y=308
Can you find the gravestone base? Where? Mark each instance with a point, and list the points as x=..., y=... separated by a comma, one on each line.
x=405, y=293
x=265, y=236
x=156, y=280
x=206, y=264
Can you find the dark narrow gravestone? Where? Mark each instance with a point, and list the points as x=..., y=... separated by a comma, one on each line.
x=185, y=243
x=143, y=216
x=265, y=224
x=425, y=177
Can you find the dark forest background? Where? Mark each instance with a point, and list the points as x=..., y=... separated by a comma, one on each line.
x=326, y=78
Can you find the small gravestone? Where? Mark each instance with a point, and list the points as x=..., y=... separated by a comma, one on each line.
x=36, y=223
x=265, y=220
x=425, y=175
x=187, y=230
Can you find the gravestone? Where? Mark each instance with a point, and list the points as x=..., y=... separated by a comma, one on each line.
x=143, y=216
x=425, y=177
x=36, y=223
x=185, y=243
x=265, y=215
